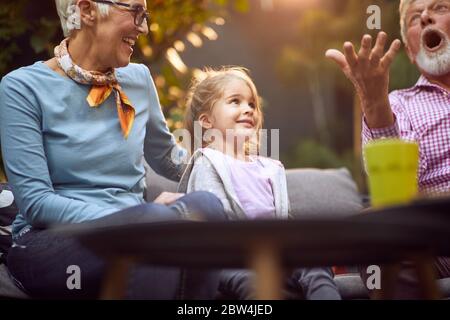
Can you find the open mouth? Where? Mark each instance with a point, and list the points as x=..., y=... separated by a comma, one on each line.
x=433, y=40
x=130, y=42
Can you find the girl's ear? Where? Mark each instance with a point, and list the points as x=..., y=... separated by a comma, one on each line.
x=88, y=13
x=205, y=121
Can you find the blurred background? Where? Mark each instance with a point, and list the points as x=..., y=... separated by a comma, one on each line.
x=281, y=42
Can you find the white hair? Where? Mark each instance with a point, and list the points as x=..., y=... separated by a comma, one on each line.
x=404, y=6
x=67, y=15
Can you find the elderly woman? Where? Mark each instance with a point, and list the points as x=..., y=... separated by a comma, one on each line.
x=75, y=131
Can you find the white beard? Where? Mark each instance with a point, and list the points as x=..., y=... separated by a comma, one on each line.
x=435, y=63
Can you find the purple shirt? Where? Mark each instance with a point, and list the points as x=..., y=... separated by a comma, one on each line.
x=422, y=114
x=253, y=188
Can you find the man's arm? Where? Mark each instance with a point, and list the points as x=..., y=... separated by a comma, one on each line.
x=401, y=128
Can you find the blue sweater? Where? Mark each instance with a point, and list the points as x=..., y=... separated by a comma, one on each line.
x=68, y=162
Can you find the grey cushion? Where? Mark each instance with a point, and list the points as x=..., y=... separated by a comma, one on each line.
x=311, y=191
x=157, y=184
x=314, y=192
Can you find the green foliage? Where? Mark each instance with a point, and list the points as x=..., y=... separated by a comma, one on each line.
x=12, y=24
x=403, y=74
x=310, y=153
x=175, y=24
x=303, y=63
x=329, y=26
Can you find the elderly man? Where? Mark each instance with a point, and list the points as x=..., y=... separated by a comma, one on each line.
x=420, y=113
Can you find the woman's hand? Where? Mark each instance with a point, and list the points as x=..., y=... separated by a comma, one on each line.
x=369, y=72
x=167, y=198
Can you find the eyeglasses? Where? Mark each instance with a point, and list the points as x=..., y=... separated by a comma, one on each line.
x=139, y=12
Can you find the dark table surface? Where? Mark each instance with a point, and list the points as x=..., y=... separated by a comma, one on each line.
x=376, y=236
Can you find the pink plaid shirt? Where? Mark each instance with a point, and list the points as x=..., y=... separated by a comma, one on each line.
x=422, y=114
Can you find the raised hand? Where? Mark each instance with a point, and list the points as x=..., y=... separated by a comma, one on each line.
x=369, y=72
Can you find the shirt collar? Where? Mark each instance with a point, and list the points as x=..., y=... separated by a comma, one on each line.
x=424, y=82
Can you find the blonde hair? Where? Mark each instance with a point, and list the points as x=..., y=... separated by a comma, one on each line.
x=403, y=8
x=207, y=89
x=63, y=9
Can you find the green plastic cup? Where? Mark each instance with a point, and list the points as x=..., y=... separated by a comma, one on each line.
x=392, y=166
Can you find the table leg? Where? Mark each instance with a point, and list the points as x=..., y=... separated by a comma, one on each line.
x=115, y=281
x=427, y=277
x=265, y=261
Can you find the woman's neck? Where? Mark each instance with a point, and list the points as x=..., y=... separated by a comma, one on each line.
x=85, y=54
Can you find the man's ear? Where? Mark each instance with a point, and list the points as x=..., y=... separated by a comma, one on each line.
x=88, y=12
x=205, y=121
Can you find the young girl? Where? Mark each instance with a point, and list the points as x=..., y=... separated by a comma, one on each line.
x=225, y=118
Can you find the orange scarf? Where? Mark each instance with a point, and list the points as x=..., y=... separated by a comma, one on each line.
x=103, y=84
x=125, y=110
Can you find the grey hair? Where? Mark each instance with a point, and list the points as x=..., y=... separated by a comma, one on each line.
x=404, y=6
x=62, y=7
